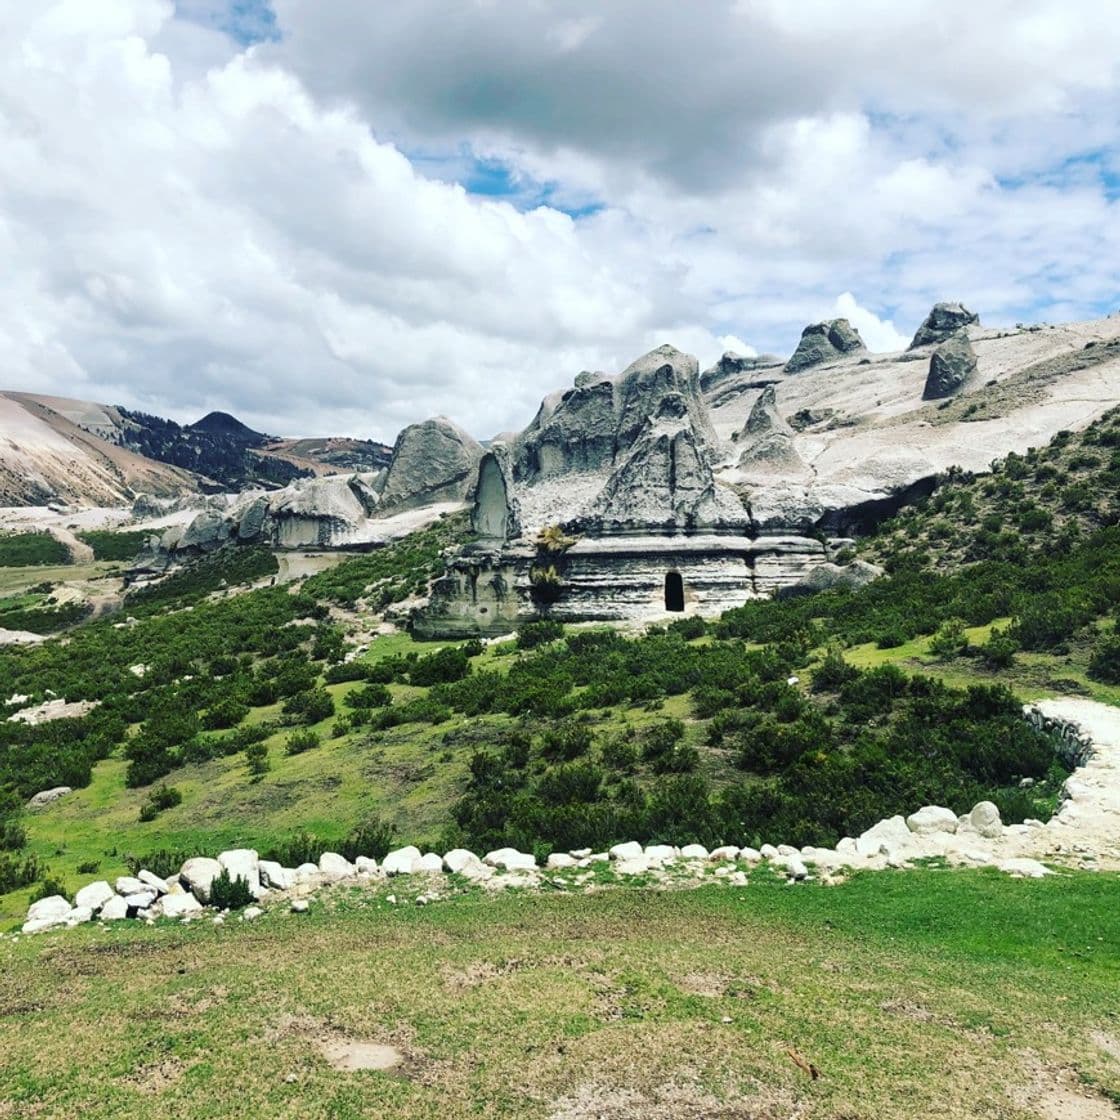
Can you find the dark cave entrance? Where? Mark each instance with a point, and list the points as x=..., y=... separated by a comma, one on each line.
x=674, y=591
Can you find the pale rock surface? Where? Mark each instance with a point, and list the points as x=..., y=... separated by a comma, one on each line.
x=432, y=462
x=1024, y=868
x=180, y=905
x=275, y=876
x=79, y=916
x=984, y=818
x=631, y=849
x=54, y=908
x=431, y=863
x=660, y=853
x=509, y=859
x=402, y=861
x=95, y=895
x=459, y=859
x=243, y=863
x=197, y=875
x=115, y=909
x=334, y=867
x=889, y=837
x=48, y=796
x=154, y=881
x=128, y=884
x=932, y=818
x=558, y=861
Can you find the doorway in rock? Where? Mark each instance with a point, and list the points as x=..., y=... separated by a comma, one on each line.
x=674, y=591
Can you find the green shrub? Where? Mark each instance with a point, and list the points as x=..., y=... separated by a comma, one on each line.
x=256, y=755
x=230, y=894
x=108, y=544
x=22, y=550
x=162, y=797
x=533, y=634
x=1105, y=663
x=370, y=696
x=373, y=838
x=300, y=741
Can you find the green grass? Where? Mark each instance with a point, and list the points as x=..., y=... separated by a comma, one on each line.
x=108, y=544
x=920, y=993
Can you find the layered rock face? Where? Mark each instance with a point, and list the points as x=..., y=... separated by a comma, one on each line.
x=825, y=342
x=943, y=320
x=767, y=441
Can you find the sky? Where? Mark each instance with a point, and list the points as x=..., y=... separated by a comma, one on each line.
x=345, y=216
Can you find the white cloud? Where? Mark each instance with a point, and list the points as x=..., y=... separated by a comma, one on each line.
x=878, y=334
x=190, y=224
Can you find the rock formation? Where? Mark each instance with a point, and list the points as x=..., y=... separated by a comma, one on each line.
x=943, y=320
x=435, y=461
x=767, y=440
x=824, y=342
x=732, y=365
x=951, y=366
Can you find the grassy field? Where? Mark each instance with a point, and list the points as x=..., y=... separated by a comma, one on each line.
x=931, y=992
x=407, y=775
x=1033, y=676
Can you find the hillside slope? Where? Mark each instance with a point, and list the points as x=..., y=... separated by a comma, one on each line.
x=56, y=449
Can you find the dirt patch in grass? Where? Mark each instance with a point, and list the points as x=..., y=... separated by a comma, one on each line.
x=1058, y=1094
x=669, y=1102
x=1108, y=1044
x=154, y=1078
x=344, y=1053
x=478, y=973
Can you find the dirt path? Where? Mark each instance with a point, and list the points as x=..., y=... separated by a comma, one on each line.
x=80, y=552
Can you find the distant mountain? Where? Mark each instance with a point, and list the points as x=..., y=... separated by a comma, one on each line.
x=81, y=452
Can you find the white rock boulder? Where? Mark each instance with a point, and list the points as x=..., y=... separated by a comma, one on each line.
x=984, y=819
x=558, y=861
x=275, y=876
x=403, y=861
x=114, y=910
x=509, y=859
x=890, y=838
x=180, y=905
x=431, y=864
x=630, y=850
x=54, y=910
x=129, y=884
x=334, y=867
x=243, y=863
x=154, y=881
x=95, y=895
x=198, y=873
x=930, y=819
x=459, y=859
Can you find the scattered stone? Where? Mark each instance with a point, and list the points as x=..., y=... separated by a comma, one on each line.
x=727, y=852
x=243, y=863
x=154, y=881
x=365, y=865
x=630, y=850
x=431, y=864
x=252, y=912
x=300, y=906
x=660, y=853
x=79, y=916
x=53, y=909
x=1024, y=868
x=560, y=860
x=510, y=859
x=128, y=884
x=750, y=855
x=459, y=859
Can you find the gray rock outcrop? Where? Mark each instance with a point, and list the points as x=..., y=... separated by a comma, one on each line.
x=767, y=441
x=943, y=320
x=435, y=461
x=951, y=367
x=824, y=342
x=495, y=513
x=732, y=365
x=666, y=479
